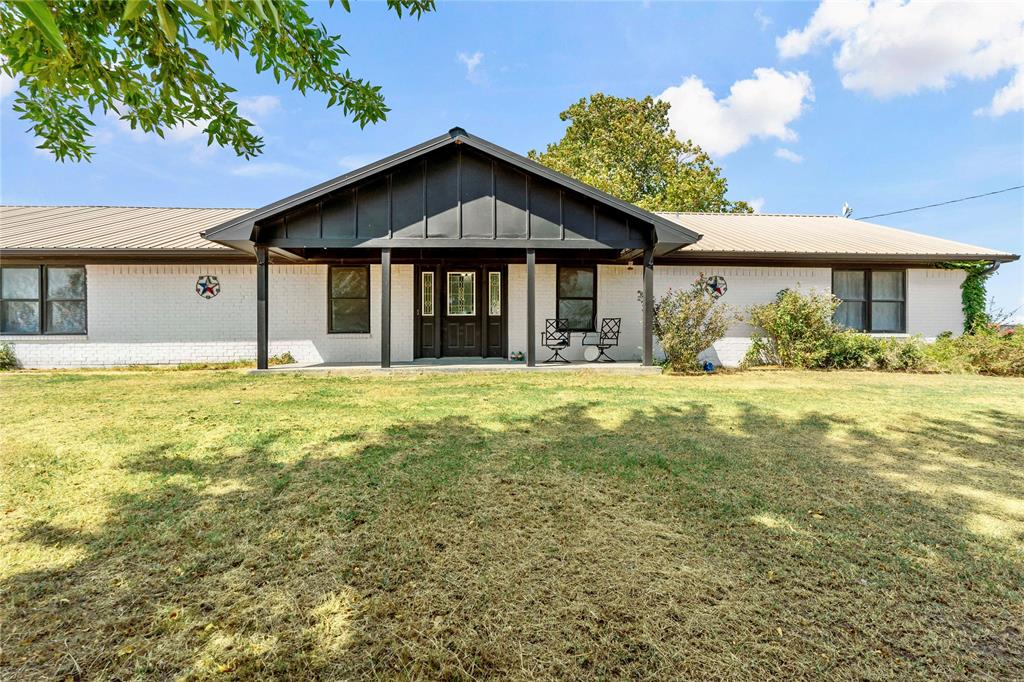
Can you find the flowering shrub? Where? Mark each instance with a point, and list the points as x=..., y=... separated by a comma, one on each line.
x=688, y=322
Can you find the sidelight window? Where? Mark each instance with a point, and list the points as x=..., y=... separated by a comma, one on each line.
x=494, y=294
x=427, y=293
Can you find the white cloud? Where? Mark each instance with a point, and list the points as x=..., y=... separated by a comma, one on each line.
x=260, y=105
x=185, y=131
x=758, y=107
x=757, y=204
x=788, y=155
x=259, y=169
x=900, y=48
x=472, y=62
x=1007, y=99
x=763, y=20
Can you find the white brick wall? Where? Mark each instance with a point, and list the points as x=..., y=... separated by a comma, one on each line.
x=747, y=286
x=934, y=302
x=150, y=314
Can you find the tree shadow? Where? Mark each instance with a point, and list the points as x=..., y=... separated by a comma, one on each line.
x=669, y=542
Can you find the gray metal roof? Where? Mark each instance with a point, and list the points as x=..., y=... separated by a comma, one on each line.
x=761, y=234
x=109, y=227
x=142, y=230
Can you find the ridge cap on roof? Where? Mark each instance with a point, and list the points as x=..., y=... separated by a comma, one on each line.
x=176, y=208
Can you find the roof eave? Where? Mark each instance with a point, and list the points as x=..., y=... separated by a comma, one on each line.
x=695, y=255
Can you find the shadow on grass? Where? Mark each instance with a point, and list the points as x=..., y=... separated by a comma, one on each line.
x=670, y=543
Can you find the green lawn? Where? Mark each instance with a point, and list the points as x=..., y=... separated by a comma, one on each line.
x=209, y=524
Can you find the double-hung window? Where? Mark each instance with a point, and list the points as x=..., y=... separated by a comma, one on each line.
x=42, y=299
x=577, y=296
x=871, y=300
x=349, y=299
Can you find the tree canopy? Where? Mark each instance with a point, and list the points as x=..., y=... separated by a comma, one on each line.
x=148, y=62
x=626, y=147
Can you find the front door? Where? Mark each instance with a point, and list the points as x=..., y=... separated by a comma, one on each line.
x=461, y=323
x=461, y=311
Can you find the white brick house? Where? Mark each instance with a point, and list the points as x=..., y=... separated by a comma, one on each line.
x=449, y=236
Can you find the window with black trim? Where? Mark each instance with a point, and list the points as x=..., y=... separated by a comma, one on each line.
x=42, y=299
x=872, y=300
x=577, y=296
x=348, y=291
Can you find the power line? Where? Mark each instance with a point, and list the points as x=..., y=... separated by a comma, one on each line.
x=943, y=203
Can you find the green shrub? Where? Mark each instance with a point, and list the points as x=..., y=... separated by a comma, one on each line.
x=688, y=322
x=798, y=331
x=8, y=360
x=980, y=353
x=901, y=354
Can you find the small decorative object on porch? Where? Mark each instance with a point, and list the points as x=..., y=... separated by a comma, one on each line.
x=716, y=285
x=517, y=355
x=207, y=286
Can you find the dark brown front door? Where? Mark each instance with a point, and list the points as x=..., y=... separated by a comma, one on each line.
x=461, y=312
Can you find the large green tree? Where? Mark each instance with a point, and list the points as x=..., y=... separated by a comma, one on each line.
x=148, y=61
x=625, y=147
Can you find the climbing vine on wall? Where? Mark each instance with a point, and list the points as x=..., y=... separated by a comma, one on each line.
x=973, y=292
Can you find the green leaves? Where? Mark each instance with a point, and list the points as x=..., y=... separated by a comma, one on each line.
x=147, y=61
x=167, y=22
x=133, y=9
x=39, y=14
x=627, y=148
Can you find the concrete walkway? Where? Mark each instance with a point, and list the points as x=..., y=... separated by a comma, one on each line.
x=462, y=365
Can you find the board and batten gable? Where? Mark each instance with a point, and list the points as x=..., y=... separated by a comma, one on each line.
x=454, y=196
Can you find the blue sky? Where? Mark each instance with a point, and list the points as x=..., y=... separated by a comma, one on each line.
x=799, y=125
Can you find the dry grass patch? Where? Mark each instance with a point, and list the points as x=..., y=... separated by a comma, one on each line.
x=532, y=527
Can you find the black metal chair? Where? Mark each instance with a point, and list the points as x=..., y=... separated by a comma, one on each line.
x=556, y=337
x=607, y=338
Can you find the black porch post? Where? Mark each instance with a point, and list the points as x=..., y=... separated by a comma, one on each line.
x=648, y=307
x=262, y=284
x=385, y=307
x=531, y=307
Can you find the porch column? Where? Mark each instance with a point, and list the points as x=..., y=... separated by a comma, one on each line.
x=385, y=307
x=531, y=307
x=648, y=307
x=262, y=283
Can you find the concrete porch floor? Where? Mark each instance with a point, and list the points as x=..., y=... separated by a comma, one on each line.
x=462, y=365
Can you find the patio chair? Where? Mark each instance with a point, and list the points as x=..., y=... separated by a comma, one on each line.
x=607, y=338
x=556, y=337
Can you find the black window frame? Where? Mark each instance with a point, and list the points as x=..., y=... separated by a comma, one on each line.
x=870, y=299
x=592, y=298
x=43, y=298
x=331, y=297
